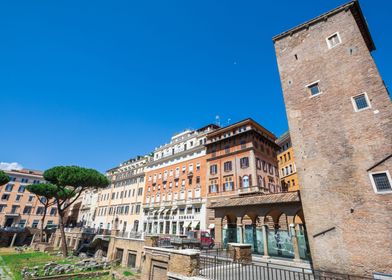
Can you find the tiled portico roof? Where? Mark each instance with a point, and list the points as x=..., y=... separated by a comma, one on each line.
x=258, y=199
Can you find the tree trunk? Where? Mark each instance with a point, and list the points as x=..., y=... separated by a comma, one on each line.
x=64, y=248
x=42, y=224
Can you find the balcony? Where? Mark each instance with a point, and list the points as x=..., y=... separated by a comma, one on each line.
x=195, y=200
x=176, y=177
x=253, y=189
x=190, y=174
x=181, y=201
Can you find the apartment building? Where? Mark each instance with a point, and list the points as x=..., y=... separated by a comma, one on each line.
x=175, y=196
x=122, y=199
x=240, y=160
x=19, y=207
x=88, y=209
x=287, y=168
x=340, y=117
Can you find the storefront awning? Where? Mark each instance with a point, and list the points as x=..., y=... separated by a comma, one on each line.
x=174, y=208
x=153, y=212
x=211, y=226
x=186, y=224
x=165, y=211
x=160, y=210
x=195, y=223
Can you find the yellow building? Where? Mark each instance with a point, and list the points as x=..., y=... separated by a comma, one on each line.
x=287, y=168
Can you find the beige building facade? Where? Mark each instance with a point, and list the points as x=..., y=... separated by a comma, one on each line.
x=122, y=200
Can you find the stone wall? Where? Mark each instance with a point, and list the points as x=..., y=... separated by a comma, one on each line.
x=335, y=146
x=128, y=246
x=161, y=263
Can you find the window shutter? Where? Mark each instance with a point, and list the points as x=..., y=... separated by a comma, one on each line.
x=240, y=181
x=250, y=181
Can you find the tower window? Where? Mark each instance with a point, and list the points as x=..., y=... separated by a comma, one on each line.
x=360, y=102
x=381, y=182
x=314, y=89
x=333, y=40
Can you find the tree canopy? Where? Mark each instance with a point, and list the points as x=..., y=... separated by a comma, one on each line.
x=4, y=178
x=69, y=183
x=75, y=176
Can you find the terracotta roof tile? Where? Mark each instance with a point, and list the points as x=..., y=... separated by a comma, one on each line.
x=258, y=199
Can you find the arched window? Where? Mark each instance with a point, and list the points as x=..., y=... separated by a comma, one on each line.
x=245, y=182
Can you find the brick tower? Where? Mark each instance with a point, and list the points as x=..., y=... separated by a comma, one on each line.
x=340, y=119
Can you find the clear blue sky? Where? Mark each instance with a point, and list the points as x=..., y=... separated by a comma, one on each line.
x=94, y=83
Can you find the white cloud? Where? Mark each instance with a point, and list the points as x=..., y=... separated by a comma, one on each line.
x=10, y=165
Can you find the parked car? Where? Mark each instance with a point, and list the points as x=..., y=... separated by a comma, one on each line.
x=194, y=239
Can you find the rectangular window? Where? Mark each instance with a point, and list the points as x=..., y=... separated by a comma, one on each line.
x=333, y=40
x=2, y=207
x=227, y=166
x=53, y=211
x=9, y=187
x=15, y=209
x=314, y=89
x=360, y=102
x=213, y=186
x=21, y=189
x=35, y=224
x=5, y=196
x=228, y=185
x=244, y=162
x=381, y=182
x=40, y=211
x=213, y=169
x=258, y=163
x=18, y=197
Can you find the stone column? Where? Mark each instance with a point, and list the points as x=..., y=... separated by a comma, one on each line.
x=265, y=241
x=241, y=253
x=184, y=263
x=240, y=238
x=294, y=240
x=77, y=241
x=32, y=240
x=13, y=239
x=218, y=230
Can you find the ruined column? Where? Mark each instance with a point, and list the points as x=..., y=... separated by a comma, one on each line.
x=294, y=241
x=13, y=239
x=265, y=241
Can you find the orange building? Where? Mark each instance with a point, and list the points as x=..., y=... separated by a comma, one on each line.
x=287, y=168
x=175, y=192
x=241, y=160
x=19, y=207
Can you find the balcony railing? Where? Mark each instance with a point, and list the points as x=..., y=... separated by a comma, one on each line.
x=130, y=234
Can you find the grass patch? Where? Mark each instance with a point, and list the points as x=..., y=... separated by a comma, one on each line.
x=128, y=273
x=17, y=261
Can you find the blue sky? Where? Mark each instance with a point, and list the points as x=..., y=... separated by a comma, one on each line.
x=94, y=83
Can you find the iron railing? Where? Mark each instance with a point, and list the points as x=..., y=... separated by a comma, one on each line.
x=218, y=268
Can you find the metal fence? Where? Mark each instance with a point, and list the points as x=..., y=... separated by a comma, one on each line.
x=217, y=268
